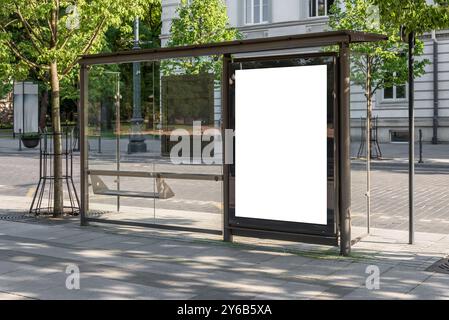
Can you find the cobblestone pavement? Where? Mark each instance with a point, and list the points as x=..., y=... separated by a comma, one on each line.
x=389, y=199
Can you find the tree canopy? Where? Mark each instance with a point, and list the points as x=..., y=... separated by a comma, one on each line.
x=199, y=22
x=384, y=62
x=34, y=33
x=419, y=16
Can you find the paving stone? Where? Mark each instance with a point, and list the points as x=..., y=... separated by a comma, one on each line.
x=389, y=199
x=365, y=294
x=300, y=290
x=286, y=262
x=110, y=290
x=117, y=266
x=10, y=296
x=224, y=294
x=6, y=267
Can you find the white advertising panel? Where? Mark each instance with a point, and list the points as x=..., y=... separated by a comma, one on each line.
x=281, y=144
x=26, y=107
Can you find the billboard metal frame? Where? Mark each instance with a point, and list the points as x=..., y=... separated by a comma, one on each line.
x=322, y=234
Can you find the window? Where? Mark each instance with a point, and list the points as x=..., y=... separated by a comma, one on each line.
x=319, y=8
x=399, y=136
x=395, y=93
x=256, y=11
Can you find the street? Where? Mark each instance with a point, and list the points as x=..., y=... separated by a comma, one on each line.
x=389, y=202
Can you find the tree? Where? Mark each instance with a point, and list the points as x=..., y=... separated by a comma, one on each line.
x=375, y=65
x=46, y=37
x=417, y=16
x=122, y=37
x=8, y=70
x=199, y=22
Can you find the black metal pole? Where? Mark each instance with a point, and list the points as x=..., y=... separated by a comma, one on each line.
x=20, y=139
x=435, y=91
x=23, y=107
x=225, y=116
x=411, y=124
x=420, y=147
x=83, y=120
x=118, y=135
x=344, y=152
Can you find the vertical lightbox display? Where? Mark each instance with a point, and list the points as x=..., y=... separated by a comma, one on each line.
x=282, y=176
x=281, y=142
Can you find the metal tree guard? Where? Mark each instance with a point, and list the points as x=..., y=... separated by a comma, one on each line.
x=42, y=204
x=375, y=151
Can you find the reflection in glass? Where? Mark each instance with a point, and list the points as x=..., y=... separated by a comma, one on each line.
x=144, y=187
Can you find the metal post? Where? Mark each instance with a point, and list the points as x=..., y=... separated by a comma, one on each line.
x=411, y=124
x=344, y=152
x=435, y=89
x=118, y=134
x=84, y=207
x=225, y=115
x=368, y=173
x=137, y=139
x=22, y=131
x=20, y=139
x=420, y=147
x=153, y=104
x=23, y=108
x=368, y=149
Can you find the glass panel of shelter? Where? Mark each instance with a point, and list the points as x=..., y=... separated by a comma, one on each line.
x=137, y=114
x=119, y=175
x=102, y=132
x=139, y=142
x=190, y=156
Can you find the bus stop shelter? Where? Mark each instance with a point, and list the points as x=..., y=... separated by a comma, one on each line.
x=281, y=107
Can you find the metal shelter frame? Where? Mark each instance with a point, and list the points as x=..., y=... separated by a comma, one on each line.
x=341, y=39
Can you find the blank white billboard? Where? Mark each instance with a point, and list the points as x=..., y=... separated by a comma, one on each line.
x=281, y=144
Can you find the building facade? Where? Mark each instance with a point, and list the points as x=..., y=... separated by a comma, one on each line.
x=270, y=18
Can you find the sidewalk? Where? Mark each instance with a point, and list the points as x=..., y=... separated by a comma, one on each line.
x=132, y=263
x=396, y=155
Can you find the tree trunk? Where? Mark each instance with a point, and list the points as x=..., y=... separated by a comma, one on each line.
x=58, y=203
x=43, y=110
